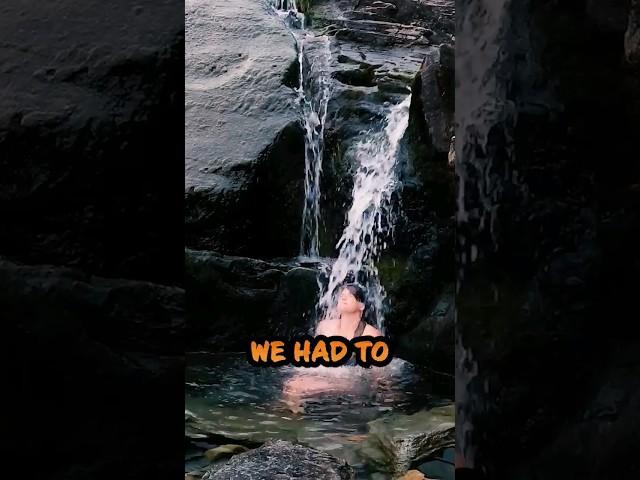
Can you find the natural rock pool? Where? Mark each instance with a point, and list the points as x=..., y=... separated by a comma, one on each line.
x=317, y=141
x=380, y=431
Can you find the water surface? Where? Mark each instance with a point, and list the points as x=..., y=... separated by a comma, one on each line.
x=228, y=396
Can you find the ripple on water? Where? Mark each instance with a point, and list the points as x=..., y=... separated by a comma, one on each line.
x=248, y=403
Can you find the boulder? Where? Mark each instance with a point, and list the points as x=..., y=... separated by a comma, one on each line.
x=417, y=273
x=554, y=232
x=632, y=35
x=398, y=441
x=91, y=107
x=385, y=23
x=142, y=316
x=244, y=149
x=224, y=451
x=430, y=341
x=293, y=308
x=231, y=300
x=281, y=460
x=75, y=336
x=432, y=104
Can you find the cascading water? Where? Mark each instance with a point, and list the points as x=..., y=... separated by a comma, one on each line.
x=369, y=218
x=313, y=98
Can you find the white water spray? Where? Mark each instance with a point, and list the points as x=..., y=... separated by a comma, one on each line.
x=369, y=219
x=313, y=97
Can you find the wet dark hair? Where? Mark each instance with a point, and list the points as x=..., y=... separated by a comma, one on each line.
x=356, y=290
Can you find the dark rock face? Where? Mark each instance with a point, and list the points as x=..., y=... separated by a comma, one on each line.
x=146, y=314
x=244, y=164
x=552, y=228
x=90, y=194
x=76, y=336
x=284, y=460
x=231, y=300
x=433, y=99
x=240, y=220
x=86, y=120
x=431, y=341
x=397, y=442
x=632, y=35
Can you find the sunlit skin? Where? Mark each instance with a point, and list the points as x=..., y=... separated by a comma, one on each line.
x=342, y=321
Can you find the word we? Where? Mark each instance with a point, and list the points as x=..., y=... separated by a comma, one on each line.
x=332, y=351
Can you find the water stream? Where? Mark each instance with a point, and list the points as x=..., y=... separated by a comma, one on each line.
x=314, y=90
x=370, y=220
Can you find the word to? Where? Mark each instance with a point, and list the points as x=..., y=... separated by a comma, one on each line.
x=332, y=351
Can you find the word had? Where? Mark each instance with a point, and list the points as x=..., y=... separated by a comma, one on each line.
x=366, y=351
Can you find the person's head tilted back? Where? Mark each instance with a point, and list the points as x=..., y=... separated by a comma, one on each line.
x=351, y=299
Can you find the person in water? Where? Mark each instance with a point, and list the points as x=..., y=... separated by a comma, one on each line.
x=347, y=318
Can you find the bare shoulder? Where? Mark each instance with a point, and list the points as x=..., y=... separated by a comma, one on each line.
x=371, y=331
x=325, y=327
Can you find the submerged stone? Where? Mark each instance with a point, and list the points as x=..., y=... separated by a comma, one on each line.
x=224, y=451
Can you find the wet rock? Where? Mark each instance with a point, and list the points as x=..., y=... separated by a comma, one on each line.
x=200, y=435
x=432, y=104
x=440, y=466
x=233, y=299
x=610, y=15
x=293, y=308
x=283, y=460
x=632, y=35
x=88, y=108
x=562, y=265
x=228, y=297
x=359, y=77
x=76, y=336
x=224, y=451
x=429, y=342
x=400, y=21
x=398, y=441
x=244, y=146
x=415, y=272
x=143, y=314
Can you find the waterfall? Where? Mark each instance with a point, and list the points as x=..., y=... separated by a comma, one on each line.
x=314, y=95
x=369, y=219
x=313, y=98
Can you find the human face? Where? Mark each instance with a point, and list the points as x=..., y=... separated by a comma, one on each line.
x=348, y=303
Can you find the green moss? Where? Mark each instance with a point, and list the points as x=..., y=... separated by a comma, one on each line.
x=391, y=270
x=305, y=6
